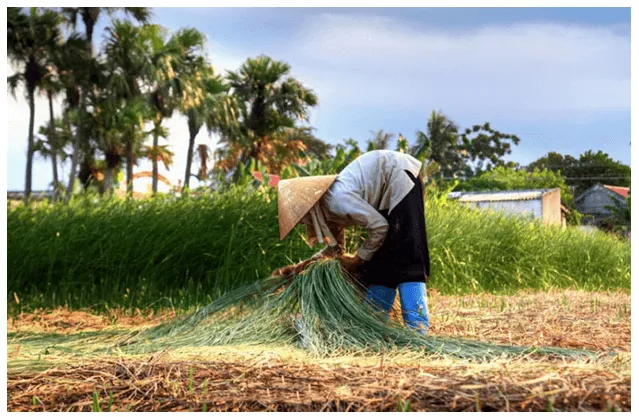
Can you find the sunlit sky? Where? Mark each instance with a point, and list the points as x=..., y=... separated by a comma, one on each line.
x=559, y=78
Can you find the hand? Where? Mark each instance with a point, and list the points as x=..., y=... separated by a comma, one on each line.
x=284, y=271
x=292, y=269
x=350, y=262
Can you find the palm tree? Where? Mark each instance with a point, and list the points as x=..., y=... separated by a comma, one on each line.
x=29, y=37
x=74, y=69
x=134, y=115
x=163, y=83
x=314, y=147
x=402, y=144
x=119, y=128
x=63, y=59
x=127, y=66
x=440, y=144
x=203, y=152
x=51, y=143
x=90, y=17
x=269, y=102
x=161, y=154
x=175, y=62
x=380, y=140
x=51, y=87
x=214, y=109
x=352, y=144
x=125, y=60
x=104, y=124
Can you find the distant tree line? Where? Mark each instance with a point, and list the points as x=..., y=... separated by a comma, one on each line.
x=118, y=94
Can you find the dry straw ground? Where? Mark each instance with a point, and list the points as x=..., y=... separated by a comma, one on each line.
x=259, y=378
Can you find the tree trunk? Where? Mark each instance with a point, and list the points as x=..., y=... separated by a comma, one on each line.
x=87, y=153
x=255, y=151
x=108, y=181
x=189, y=161
x=76, y=149
x=85, y=174
x=154, y=158
x=193, y=131
x=129, y=169
x=202, y=151
x=85, y=168
x=56, y=184
x=89, y=25
x=53, y=144
x=30, y=146
x=112, y=163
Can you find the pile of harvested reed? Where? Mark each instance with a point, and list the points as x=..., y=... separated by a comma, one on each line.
x=320, y=311
x=572, y=319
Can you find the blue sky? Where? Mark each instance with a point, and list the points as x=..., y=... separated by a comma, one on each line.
x=559, y=78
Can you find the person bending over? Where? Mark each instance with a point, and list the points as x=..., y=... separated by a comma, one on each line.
x=383, y=192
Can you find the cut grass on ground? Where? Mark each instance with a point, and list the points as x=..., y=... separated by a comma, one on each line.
x=260, y=378
x=258, y=381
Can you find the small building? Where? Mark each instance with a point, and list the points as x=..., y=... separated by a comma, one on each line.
x=592, y=202
x=35, y=195
x=544, y=204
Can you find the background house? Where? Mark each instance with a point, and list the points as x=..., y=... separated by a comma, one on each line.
x=273, y=179
x=592, y=202
x=543, y=204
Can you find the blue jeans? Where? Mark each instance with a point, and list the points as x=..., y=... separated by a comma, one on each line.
x=414, y=301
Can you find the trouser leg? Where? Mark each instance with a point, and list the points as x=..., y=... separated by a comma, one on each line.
x=381, y=297
x=414, y=305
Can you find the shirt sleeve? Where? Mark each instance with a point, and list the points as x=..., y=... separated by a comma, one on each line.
x=363, y=214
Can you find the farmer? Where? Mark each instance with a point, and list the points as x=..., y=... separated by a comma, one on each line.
x=383, y=192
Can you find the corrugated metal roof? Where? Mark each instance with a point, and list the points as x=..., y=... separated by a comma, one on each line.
x=513, y=195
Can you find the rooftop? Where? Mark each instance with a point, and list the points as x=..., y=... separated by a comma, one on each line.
x=273, y=179
x=510, y=195
x=622, y=191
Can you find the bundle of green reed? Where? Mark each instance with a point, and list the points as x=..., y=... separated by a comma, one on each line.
x=320, y=311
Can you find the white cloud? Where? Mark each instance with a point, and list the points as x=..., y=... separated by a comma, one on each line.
x=516, y=68
x=522, y=71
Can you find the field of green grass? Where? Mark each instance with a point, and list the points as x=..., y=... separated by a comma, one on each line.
x=183, y=252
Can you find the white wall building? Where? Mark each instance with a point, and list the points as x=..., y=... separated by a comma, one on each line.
x=543, y=204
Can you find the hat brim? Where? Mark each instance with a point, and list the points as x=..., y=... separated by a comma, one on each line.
x=296, y=197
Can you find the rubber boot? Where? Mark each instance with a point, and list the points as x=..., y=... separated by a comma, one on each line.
x=414, y=305
x=381, y=298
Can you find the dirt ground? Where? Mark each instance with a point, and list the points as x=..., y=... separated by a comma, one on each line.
x=263, y=379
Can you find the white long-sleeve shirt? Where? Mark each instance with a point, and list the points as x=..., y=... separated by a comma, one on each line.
x=373, y=182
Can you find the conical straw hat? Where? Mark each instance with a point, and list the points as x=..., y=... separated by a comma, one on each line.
x=297, y=196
